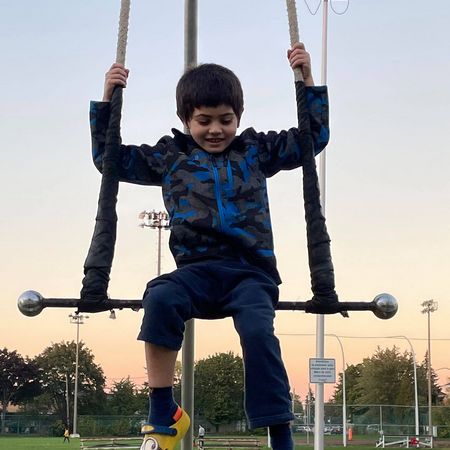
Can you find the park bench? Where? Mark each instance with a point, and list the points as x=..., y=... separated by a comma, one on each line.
x=110, y=443
x=407, y=441
x=228, y=443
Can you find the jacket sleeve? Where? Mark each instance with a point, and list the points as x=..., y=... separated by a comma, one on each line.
x=142, y=164
x=281, y=151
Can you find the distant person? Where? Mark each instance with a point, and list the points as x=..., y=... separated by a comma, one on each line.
x=66, y=435
x=201, y=436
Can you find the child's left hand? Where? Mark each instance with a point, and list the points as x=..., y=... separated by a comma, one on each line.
x=299, y=57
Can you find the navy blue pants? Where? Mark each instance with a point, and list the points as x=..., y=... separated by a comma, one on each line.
x=216, y=289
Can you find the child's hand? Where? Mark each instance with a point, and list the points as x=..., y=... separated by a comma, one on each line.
x=299, y=57
x=116, y=76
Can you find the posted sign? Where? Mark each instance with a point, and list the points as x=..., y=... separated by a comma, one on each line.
x=322, y=370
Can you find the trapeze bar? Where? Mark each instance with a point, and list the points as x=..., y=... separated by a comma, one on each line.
x=31, y=303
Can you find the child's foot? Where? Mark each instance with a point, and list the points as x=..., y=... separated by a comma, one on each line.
x=158, y=437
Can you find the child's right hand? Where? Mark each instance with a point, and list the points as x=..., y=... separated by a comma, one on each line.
x=117, y=75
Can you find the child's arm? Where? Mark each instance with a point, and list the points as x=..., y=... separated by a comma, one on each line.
x=138, y=164
x=281, y=151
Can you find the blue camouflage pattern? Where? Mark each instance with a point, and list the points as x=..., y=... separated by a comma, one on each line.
x=217, y=203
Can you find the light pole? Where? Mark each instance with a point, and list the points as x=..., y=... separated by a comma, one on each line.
x=344, y=397
x=429, y=306
x=416, y=397
x=157, y=220
x=77, y=319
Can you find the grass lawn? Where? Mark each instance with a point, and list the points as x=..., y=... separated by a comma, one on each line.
x=44, y=443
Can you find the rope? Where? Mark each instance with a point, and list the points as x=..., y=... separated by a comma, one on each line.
x=293, y=33
x=123, y=31
x=97, y=267
x=325, y=300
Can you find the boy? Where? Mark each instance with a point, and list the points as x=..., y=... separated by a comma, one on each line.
x=214, y=189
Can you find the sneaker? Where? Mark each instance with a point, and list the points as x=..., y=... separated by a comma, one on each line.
x=158, y=437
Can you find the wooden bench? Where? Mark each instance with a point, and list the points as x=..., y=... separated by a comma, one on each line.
x=228, y=443
x=110, y=443
x=408, y=441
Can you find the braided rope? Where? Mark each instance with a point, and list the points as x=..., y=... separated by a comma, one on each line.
x=293, y=33
x=123, y=31
x=321, y=267
x=97, y=266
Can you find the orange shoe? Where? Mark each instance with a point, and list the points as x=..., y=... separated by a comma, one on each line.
x=158, y=437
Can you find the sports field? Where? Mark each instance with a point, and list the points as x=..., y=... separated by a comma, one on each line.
x=44, y=443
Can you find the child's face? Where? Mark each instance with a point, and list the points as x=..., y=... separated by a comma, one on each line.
x=213, y=128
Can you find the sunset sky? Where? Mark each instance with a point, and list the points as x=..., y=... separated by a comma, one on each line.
x=388, y=188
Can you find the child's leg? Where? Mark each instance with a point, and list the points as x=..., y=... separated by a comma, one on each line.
x=281, y=437
x=160, y=365
x=267, y=396
x=160, y=370
x=167, y=305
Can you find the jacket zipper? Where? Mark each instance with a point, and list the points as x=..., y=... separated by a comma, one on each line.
x=218, y=195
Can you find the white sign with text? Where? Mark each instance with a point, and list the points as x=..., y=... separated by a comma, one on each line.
x=322, y=370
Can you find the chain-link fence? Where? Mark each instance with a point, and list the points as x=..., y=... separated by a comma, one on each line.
x=363, y=419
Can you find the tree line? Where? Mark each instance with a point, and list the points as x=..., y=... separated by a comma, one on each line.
x=45, y=384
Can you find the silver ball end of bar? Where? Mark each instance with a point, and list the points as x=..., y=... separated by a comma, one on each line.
x=385, y=306
x=30, y=303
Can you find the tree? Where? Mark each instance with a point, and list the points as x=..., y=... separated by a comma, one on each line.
x=18, y=380
x=309, y=406
x=126, y=399
x=57, y=374
x=386, y=378
x=297, y=404
x=436, y=392
x=219, y=388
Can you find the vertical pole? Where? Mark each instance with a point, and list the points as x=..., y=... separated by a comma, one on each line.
x=381, y=418
x=159, y=247
x=67, y=401
x=344, y=395
x=416, y=396
x=75, y=400
x=187, y=383
x=430, y=419
x=320, y=321
x=429, y=307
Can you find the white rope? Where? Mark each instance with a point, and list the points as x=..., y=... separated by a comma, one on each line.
x=123, y=31
x=293, y=33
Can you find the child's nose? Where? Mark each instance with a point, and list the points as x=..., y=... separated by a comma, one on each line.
x=214, y=129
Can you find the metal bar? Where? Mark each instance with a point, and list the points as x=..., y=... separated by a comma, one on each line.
x=188, y=349
x=32, y=303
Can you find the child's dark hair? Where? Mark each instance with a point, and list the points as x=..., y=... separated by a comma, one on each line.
x=208, y=85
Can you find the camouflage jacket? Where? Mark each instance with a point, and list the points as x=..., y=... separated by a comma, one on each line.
x=217, y=203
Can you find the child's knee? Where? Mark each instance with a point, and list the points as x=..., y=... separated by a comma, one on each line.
x=165, y=298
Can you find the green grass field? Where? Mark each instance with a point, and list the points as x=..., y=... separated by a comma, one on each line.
x=44, y=443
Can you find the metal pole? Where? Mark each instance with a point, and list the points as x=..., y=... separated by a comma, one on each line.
x=67, y=401
x=76, y=319
x=320, y=321
x=344, y=395
x=187, y=361
x=159, y=249
x=430, y=419
x=75, y=400
x=416, y=396
x=381, y=418
x=429, y=306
